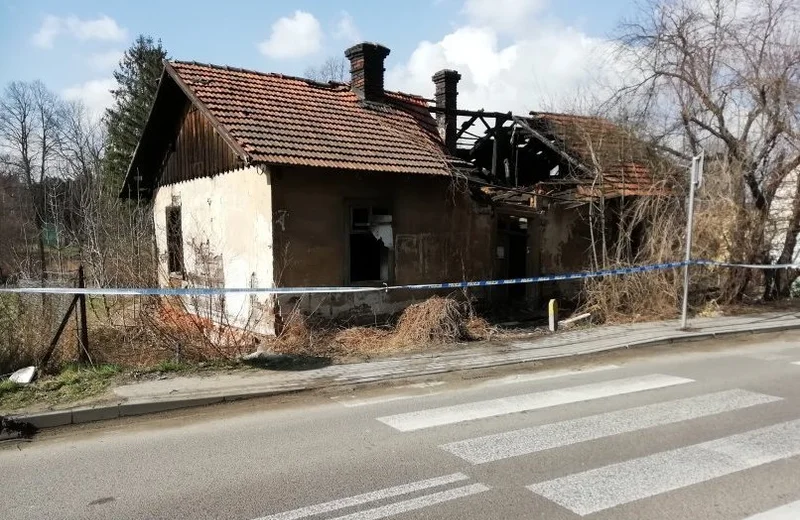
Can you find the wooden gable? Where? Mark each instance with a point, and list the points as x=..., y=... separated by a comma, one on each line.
x=198, y=151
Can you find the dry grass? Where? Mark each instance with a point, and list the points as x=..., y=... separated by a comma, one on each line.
x=633, y=298
x=155, y=330
x=363, y=342
x=435, y=321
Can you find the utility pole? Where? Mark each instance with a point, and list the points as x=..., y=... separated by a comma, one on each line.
x=695, y=179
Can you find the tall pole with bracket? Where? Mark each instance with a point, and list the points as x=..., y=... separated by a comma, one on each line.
x=695, y=179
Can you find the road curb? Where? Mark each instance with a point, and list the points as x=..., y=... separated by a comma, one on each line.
x=89, y=414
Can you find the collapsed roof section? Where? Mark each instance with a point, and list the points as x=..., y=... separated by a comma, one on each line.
x=561, y=157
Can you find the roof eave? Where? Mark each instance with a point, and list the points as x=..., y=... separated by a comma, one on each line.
x=218, y=126
x=125, y=183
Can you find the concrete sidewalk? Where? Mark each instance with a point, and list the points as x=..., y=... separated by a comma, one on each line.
x=183, y=392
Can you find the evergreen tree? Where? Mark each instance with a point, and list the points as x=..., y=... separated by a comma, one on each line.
x=137, y=81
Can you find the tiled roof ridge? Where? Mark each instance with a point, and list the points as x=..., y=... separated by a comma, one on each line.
x=260, y=73
x=279, y=75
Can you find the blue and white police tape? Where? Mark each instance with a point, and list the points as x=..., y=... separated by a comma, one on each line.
x=745, y=266
x=544, y=278
x=212, y=291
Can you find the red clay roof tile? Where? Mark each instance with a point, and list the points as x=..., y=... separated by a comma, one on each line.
x=601, y=145
x=279, y=119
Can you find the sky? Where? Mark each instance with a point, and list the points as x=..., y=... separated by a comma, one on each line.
x=513, y=54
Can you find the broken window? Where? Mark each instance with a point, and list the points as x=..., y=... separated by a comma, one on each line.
x=371, y=241
x=174, y=240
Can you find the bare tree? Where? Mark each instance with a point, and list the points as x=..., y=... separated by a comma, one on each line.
x=29, y=134
x=724, y=76
x=333, y=69
x=114, y=237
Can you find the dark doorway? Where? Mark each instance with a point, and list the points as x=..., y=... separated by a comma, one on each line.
x=517, y=264
x=512, y=235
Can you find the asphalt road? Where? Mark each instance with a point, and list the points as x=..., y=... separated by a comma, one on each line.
x=706, y=431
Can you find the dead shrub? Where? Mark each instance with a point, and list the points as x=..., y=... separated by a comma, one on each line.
x=295, y=337
x=633, y=298
x=478, y=328
x=362, y=341
x=435, y=320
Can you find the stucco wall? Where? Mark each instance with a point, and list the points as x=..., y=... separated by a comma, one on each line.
x=563, y=247
x=439, y=235
x=227, y=241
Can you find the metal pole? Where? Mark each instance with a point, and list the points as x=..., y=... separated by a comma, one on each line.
x=83, y=355
x=689, y=221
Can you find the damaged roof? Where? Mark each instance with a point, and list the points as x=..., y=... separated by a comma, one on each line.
x=276, y=119
x=599, y=145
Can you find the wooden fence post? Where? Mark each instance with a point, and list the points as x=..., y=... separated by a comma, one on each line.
x=83, y=354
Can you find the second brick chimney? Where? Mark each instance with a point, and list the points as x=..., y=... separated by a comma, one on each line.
x=446, y=82
x=366, y=69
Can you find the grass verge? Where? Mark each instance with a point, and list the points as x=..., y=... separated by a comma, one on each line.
x=73, y=383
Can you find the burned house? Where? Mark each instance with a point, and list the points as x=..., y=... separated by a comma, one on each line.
x=267, y=180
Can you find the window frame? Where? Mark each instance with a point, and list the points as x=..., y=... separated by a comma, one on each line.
x=177, y=256
x=349, y=206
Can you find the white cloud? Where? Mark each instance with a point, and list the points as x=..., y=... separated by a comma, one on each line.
x=103, y=28
x=94, y=94
x=346, y=29
x=502, y=15
x=44, y=37
x=106, y=60
x=293, y=37
x=551, y=67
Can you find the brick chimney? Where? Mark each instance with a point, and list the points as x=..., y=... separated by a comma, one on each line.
x=446, y=82
x=366, y=69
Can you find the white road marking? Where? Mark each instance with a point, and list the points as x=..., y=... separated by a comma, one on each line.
x=520, y=403
x=428, y=384
x=364, y=498
x=416, y=503
x=354, y=403
x=787, y=512
x=796, y=362
x=539, y=376
x=491, y=448
x=610, y=486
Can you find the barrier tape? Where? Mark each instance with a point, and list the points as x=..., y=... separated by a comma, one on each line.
x=213, y=291
x=746, y=266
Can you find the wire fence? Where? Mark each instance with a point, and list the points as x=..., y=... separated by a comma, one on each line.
x=43, y=323
x=28, y=321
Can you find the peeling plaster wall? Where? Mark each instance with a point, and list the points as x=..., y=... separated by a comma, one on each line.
x=439, y=236
x=227, y=241
x=564, y=247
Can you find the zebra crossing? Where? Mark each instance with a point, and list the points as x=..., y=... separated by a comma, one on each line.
x=639, y=478
x=786, y=512
x=504, y=445
x=527, y=402
x=595, y=489
x=390, y=509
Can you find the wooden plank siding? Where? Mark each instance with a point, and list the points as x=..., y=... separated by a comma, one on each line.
x=199, y=151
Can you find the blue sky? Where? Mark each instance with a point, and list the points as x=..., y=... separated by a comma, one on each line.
x=72, y=45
